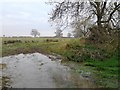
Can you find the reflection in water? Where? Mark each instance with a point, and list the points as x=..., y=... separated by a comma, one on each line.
x=39, y=71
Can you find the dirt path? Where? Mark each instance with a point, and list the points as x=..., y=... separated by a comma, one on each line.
x=38, y=71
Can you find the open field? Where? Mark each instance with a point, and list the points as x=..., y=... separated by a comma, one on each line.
x=105, y=70
x=30, y=45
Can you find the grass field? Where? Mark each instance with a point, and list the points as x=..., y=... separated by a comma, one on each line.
x=71, y=49
x=30, y=45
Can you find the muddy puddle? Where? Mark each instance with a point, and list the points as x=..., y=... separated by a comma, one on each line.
x=39, y=71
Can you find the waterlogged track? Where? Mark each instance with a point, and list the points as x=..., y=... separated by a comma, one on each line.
x=39, y=71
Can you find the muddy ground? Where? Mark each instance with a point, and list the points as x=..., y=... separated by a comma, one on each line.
x=39, y=71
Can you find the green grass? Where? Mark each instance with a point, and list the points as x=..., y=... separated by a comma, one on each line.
x=105, y=70
x=40, y=46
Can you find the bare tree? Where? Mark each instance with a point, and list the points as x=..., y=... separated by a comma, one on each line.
x=69, y=35
x=102, y=13
x=58, y=33
x=77, y=33
x=118, y=24
x=35, y=33
x=3, y=35
x=81, y=27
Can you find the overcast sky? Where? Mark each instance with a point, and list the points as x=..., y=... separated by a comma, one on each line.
x=19, y=17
